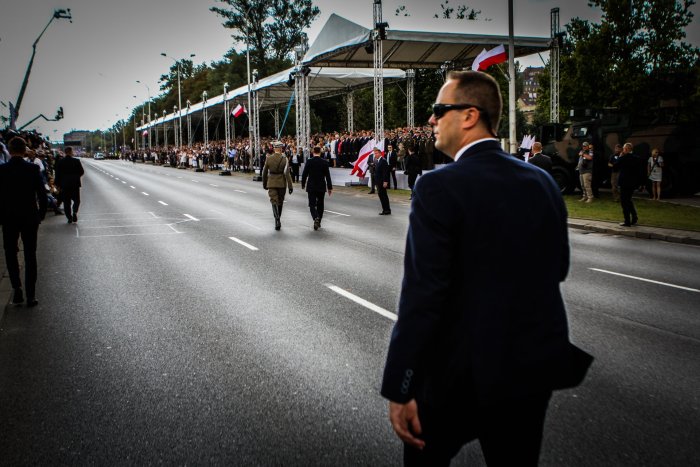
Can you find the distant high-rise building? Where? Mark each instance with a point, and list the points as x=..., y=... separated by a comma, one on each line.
x=530, y=85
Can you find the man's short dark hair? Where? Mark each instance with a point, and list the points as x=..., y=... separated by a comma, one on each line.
x=317, y=149
x=17, y=145
x=475, y=87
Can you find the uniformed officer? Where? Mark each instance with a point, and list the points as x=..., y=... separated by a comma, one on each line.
x=276, y=178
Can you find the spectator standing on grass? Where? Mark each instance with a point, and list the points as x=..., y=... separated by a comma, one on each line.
x=615, y=172
x=628, y=180
x=413, y=166
x=22, y=208
x=585, y=170
x=655, y=166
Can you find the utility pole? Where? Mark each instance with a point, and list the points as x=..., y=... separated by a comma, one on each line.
x=512, y=138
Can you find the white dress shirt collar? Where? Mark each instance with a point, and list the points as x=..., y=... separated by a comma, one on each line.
x=473, y=143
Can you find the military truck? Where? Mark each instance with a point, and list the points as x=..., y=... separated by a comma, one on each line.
x=679, y=145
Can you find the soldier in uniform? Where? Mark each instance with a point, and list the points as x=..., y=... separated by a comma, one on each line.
x=276, y=178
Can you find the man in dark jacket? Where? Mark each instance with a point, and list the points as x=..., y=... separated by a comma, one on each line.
x=20, y=190
x=628, y=179
x=68, y=173
x=381, y=180
x=540, y=160
x=481, y=339
x=392, y=159
x=316, y=178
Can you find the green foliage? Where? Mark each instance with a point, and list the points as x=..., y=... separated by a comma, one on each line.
x=634, y=59
x=272, y=27
x=462, y=12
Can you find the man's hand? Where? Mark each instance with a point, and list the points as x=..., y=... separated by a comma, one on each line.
x=404, y=419
x=330, y=193
x=386, y=184
x=290, y=190
x=264, y=187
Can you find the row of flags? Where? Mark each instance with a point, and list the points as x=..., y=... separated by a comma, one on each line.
x=236, y=112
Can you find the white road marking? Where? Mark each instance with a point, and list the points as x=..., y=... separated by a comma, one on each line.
x=132, y=186
x=363, y=302
x=646, y=280
x=338, y=213
x=211, y=184
x=143, y=192
x=179, y=177
x=164, y=204
x=123, y=182
x=240, y=191
x=195, y=181
x=191, y=217
x=153, y=214
x=247, y=245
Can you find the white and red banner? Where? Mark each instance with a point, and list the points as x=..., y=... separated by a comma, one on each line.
x=238, y=111
x=360, y=165
x=487, y=58
x=528, y=141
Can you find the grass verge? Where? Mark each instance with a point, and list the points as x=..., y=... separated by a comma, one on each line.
x=651, y=213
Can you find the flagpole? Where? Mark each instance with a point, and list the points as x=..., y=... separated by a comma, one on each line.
x=511, y=82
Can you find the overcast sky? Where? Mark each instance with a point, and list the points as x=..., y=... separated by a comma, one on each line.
x=90, y=67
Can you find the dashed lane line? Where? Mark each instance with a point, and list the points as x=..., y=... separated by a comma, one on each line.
x=240, y=191
x=338, y=213
x=363, y=302
x=191, y=217
x=241, y=242
x=145, y=194
x=645, y=280
x=163, y=203
x=132, y=187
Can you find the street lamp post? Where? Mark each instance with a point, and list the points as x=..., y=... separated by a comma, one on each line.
x=189, y=125
x=165, y=132
x=226, y=132
x=176, y=135
x=148, y=90
x=179, y=95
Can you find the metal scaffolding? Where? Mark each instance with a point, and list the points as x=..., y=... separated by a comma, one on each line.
x=554, y=67
x=255, y=127
x=226, y=121
x=277, y=121
x=350, y=103
x=301, y=94
x=378, y=72
x=189, y=126
x=205, y=120
x=176, y=134
x=165, y=131
x=410, y=97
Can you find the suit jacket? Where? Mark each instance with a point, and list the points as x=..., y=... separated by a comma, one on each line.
x=68, y=173
x=392, y=158
x=481, y=318
x=316, y=175
x=381, y=171
x=542, y=161
x=629, y=167
x=21, y=188
x=275, y=173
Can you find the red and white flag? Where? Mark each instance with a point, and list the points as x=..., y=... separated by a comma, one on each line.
x=360, y=165
x=145, y=132
x=487, y=58
x=238, y=110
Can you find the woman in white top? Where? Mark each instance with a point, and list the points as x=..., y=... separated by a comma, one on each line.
x=655, y=172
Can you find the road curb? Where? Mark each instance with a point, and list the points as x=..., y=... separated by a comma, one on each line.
x=650, y=233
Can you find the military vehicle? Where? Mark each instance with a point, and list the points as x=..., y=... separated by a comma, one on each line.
x=679, y=145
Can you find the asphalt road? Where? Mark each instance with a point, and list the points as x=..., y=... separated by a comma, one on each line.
x=176, y=326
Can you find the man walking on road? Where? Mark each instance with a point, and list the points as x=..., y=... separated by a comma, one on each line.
x=316, y=177
x=276, y=179
x=381, y=179
x=20, y=190
x=481, y=338
x=68, y=173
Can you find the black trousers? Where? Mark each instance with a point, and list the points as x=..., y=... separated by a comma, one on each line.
x=383, y=197
x=11, y=234
x=316, y=200
x=510, y=433
x=628, y=210
x=295, y=172
x=71, y=196
x=393, y=177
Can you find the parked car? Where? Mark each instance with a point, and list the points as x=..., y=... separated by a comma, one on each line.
x=98, y=155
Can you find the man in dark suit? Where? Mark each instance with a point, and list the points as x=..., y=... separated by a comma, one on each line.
x=381, y=180
x=392, y=159
x=628, y=179
x=481, y=338
x=316, y=178
x=540, y=160
x=20, y=190
x=68, y=173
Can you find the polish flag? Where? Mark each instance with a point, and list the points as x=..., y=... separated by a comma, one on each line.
x=528, y=141
x=360, y=165
x=145, y=132
x=487, y=58
x=238, y=110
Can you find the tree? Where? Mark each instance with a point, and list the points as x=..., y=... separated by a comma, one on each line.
x=634, y=59
x=462, y=12
x=272, y=27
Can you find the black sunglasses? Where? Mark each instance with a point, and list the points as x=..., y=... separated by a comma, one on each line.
x=439, y=111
